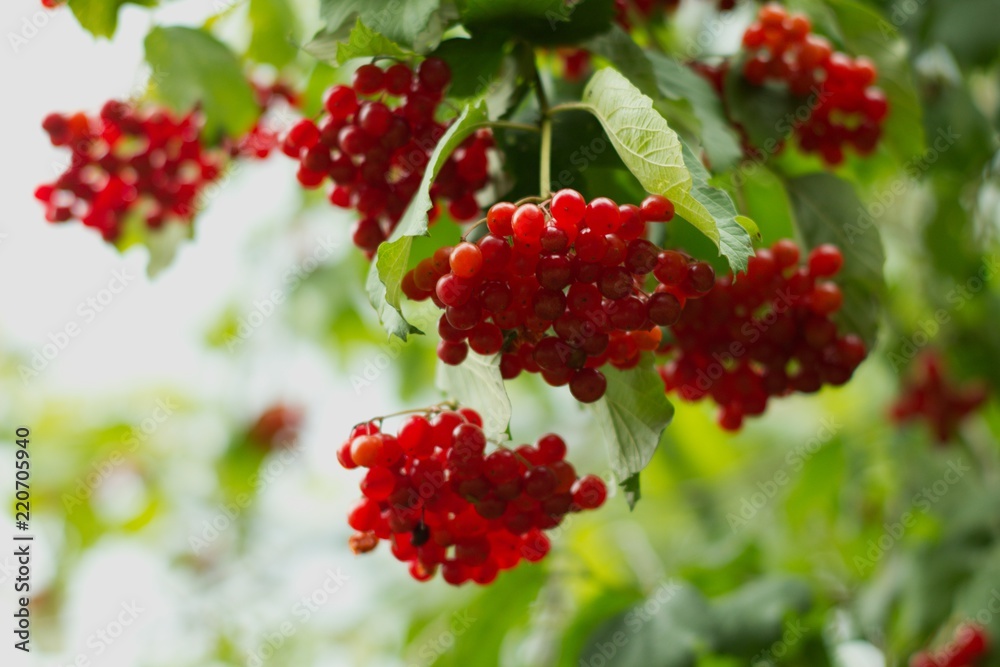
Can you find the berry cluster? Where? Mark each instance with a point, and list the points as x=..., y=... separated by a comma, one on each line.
x=374, y=142
x=930, y=395
x=767, y=334
x=967, y=648
x=127, y=162
x=442, y=501
x=559, y=289
x=849, y=109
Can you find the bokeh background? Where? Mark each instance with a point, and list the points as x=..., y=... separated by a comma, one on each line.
x=143, y=440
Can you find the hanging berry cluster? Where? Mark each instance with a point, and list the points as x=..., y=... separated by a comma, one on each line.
x=443, y=502
x=849, y=109
x=767, y=334
x=559, y=290
x=127, y=162
x=967, y=649
x=930, y=395
x=374, y=142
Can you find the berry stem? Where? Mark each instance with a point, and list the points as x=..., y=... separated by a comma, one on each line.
x=510, y=125
x=545, y=183
x=570, y=106
x=439, y=407
x=545, y=175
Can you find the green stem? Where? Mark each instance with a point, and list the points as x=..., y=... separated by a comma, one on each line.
x=510, y=125
x=545, y=170
x=569, y=106
x=545, y=182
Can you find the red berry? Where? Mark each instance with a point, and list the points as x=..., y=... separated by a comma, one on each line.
x=341, y=102
x=602, y=215
x=499, y=217
x=568, y=207
x=434, y=74
x=368, y=79
x=656, y=208
x=590, y=492
x=825, y=260
x=365, y=450
x=527, y=223
x=466, y=260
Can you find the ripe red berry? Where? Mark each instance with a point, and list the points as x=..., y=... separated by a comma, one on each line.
x=365, y=450
x=466, y=260
x=368, y=79
x=527, y=223
x=656, y=208
x=499, y=217
x=825, y=260
x=434, y=75
x=588, y=385
x=590, y=492
x=602, y=215
x=568, y=207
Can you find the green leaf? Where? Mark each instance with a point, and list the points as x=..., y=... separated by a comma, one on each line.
x=476, y=383
x=362, y=42
x=416, y=24
x=618, y=48
x=474, y=64
x=543, y=22
x=632, y=490
x=670, y=629
x=195, y=68
x=827, y=210
x=654, y=154
x=753, y=617
x=632, y=416
x=274, y=32
x=100, y=17
x=732, y=231
x=675, y=81
x=390, y=263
